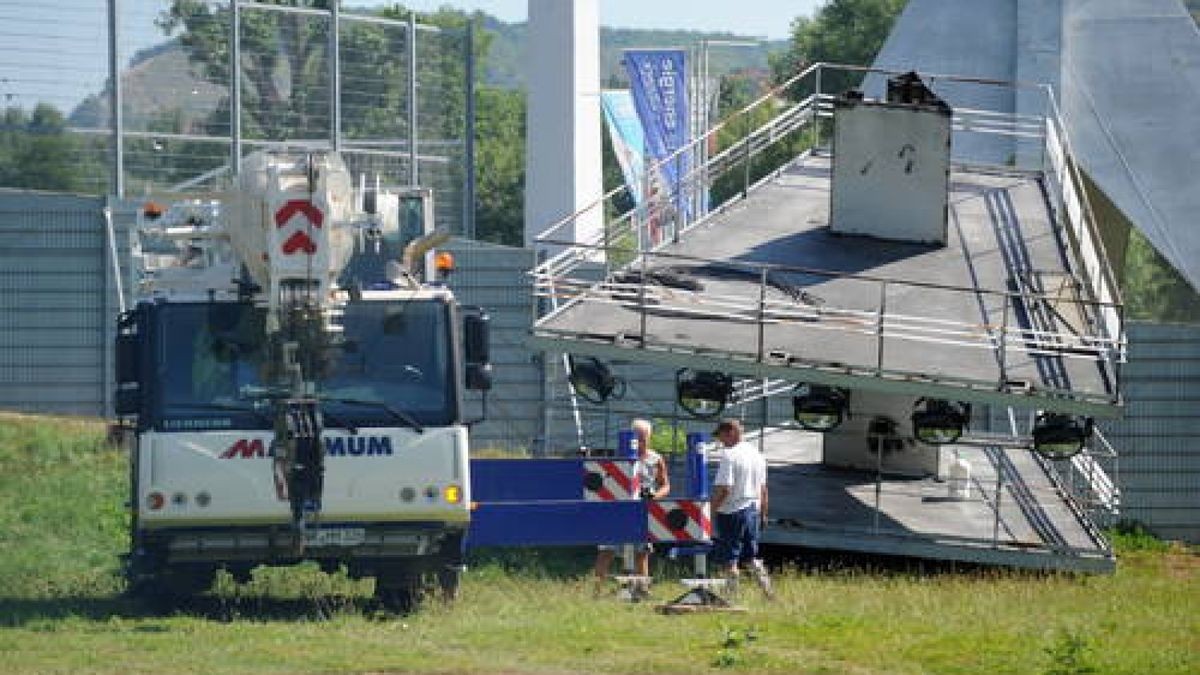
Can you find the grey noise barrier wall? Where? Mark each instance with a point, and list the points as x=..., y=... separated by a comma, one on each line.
x=58, y=303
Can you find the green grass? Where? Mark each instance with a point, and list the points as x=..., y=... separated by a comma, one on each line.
x=62, y=530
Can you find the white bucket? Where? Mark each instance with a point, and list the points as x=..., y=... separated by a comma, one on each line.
x=959, y=483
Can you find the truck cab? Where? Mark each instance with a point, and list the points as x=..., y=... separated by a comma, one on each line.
x=268, y=433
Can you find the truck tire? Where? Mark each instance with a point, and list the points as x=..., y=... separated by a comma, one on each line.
x=399, y=594
x=449, y=577
x=168, y=591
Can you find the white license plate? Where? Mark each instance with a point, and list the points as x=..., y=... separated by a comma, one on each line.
x=335, y=536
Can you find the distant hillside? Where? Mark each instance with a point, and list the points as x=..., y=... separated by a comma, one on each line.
x=160, y=80
x=505, y=64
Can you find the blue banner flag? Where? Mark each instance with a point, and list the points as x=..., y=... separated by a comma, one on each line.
x=658, y=82
x=628, y=139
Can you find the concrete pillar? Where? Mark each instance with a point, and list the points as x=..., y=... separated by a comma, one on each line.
x=850, y=445
x=562, y=149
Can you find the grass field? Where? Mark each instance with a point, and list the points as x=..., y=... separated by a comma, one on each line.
x=62, y=529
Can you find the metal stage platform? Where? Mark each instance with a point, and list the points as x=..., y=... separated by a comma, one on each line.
x=1032, y=524
x=932, y=277
x=765, y=289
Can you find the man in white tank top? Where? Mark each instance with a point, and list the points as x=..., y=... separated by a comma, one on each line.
x=652, y=475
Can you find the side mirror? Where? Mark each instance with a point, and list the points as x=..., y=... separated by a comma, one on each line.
x=477, y=335
x=477, y=329
x=128, y=399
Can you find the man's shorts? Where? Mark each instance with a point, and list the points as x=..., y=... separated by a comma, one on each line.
x=737, y=536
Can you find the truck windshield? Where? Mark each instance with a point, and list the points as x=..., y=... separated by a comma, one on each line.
x=389, y=354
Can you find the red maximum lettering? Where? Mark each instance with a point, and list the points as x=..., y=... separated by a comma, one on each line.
x=245, y=449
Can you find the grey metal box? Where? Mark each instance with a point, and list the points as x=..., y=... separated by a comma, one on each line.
x=891, y=171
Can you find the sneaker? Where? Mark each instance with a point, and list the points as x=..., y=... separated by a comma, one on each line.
x=731, y=585
x=763, y=579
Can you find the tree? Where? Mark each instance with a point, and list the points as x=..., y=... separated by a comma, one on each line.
x=286, y=93
x=735, y=92
x=500, y=165
x=843, y=31
x=1152, y=289
x=37, y=152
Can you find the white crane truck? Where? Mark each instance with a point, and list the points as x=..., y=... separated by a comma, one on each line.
x=294, y=391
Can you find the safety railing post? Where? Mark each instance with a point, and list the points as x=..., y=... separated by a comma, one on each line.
x=745, y=154
x=697, y=468
x=680, y=205
x=878, y=487
x=817, y=108
x=642, y=302
x=879, y=327
x=762, y=314
x=1004, y=343
x=996, y=501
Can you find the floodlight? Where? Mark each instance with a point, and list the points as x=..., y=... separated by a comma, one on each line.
x=703, y=393
x=1059, y=436
x=593, y=381
x=820, y=408
x=936, y=422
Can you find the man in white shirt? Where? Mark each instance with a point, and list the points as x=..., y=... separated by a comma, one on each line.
x=740, y=501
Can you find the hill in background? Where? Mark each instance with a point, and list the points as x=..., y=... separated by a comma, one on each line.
x=160, y=78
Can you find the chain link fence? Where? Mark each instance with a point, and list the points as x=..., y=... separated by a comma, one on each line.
x=390, y=93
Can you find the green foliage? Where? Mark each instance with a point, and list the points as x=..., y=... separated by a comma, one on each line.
x=668, y=438
x=62, y=529
x=1152, y=289
x=500, y=165
x=505, y=67
x=747, y=173
x=843, y=31
x=62, y=524
x=1070, y=654
x=735, y=646
x=1130, y=536
x=37, y=152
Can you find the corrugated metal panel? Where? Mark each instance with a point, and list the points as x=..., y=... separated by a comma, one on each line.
x=1159, y=437
x=58, y=300
x=495, y=278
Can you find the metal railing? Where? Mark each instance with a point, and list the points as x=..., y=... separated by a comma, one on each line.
x=632, y=242
x=1015, y=498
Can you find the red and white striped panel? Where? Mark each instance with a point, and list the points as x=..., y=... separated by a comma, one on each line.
x=609, y=480
x=679, y=520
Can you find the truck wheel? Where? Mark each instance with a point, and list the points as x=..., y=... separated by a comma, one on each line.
x=449, y=577
x=401, y=595
x=166, y=592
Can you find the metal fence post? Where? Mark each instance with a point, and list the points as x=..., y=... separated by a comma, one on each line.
x=235, y=87
x=335, y=77
x=414, y=175
x=469, y=135
x=116, y=100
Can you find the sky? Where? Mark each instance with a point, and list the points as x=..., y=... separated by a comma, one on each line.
x=758, y=18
